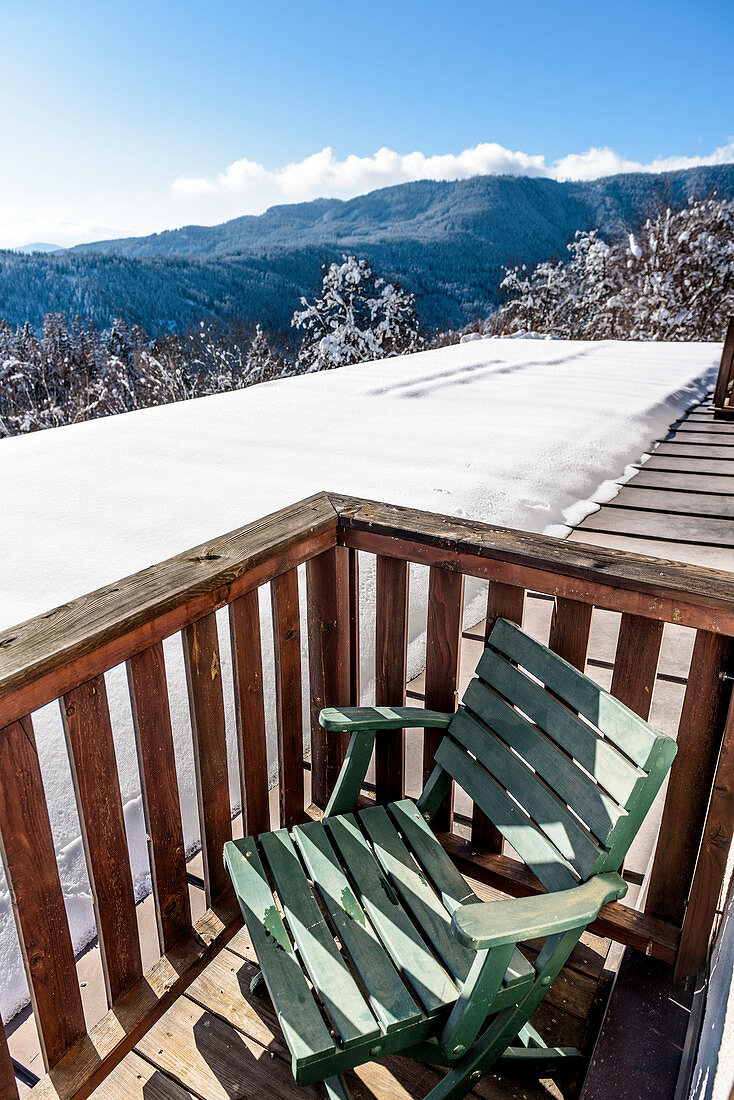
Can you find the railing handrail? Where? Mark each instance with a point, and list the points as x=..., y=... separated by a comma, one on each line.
x=677, y=592
x=93, y=632
x=47, y=655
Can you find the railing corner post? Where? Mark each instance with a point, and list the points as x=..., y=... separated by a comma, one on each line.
x=329, y=649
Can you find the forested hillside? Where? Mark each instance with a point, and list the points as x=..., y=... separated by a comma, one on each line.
x=448, y=243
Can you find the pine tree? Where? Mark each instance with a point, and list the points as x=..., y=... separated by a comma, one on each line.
x=358, y=317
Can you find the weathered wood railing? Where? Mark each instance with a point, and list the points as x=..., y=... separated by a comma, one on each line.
x=724, y=391
x=64, y=655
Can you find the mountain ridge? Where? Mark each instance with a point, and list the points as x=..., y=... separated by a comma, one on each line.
x=427, y=210
x=446, y=242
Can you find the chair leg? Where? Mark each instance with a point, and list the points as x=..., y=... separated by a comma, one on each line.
x=258, y=988
x=506, y=1026
x=336, y=1088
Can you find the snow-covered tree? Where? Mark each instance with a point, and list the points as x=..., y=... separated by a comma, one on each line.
x=671, y=280
x=357, y=317
x=262, y=362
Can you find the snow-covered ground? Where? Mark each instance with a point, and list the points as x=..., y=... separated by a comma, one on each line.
x=513, y=432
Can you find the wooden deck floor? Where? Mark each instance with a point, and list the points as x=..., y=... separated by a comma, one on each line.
x=218, y=1042
x=680, y=504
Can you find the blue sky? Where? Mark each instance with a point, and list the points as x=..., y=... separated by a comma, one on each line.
x=127, y=118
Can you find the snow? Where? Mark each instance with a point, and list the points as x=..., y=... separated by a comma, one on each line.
x=514, y=432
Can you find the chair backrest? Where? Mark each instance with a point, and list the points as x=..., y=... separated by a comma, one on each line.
x=564, y=770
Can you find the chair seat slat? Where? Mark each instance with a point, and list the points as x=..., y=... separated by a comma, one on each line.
x=303, y=1027
x=326, y=968
x=406, y=947
x=388, y=997
x=450, y=883
x=427, y=910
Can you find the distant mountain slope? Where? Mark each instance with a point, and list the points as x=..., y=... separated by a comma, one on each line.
x=448, y=242
x=506, y=213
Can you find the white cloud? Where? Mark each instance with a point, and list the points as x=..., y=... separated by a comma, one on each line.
x=323, y=174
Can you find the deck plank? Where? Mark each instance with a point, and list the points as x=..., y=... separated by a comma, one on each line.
x=708, y=530
x=693, y=482
x=672, y=501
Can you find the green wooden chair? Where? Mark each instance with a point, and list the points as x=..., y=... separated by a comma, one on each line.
x=407, y=960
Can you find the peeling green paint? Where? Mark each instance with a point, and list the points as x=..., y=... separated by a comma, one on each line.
x=351, y=906
x=273, y=926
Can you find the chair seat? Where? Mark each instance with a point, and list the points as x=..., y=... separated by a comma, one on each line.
x=362, y=962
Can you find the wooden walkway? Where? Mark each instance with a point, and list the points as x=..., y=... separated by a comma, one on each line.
x=680, y=505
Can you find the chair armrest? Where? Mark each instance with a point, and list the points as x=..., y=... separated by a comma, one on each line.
x=363, y=723
x=481, y=925
x=353, y=719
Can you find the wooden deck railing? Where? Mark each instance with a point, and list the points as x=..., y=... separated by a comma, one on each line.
x=64, y=655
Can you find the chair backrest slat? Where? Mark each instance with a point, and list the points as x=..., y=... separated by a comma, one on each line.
x=568, y=794
x=600, y=758
x=620, y=725
x=540, y=854
x=549, y=813
x=559, y=771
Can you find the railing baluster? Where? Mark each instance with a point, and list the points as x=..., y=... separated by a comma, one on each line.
x=443, y=647
x=288, y=697
x=89, y=739
x=146, y=672
x=504, y=601
x=354, y=672
x=244, y=629
x=8, y=1087
x=27, y=848
x=391, y=660
x=327, y=581
x=206, y=705
x=708, y=877
x=636, y=662
x=691, y=776
x=570, y=628
x=722, y=396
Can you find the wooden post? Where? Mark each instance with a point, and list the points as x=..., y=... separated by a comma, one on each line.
x=329, y=662
x=443, y=650
x=691, y=776
x=504, y=601
x=708, y=878
x=636, y=662
x=244, y=632
x=288, y=699
x=8, y=1087
x=146, y=673
x=569, y=632
x=722, y=397
x=391, y=656
x=88, y=730
x=206, y=706
x=27, y=849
